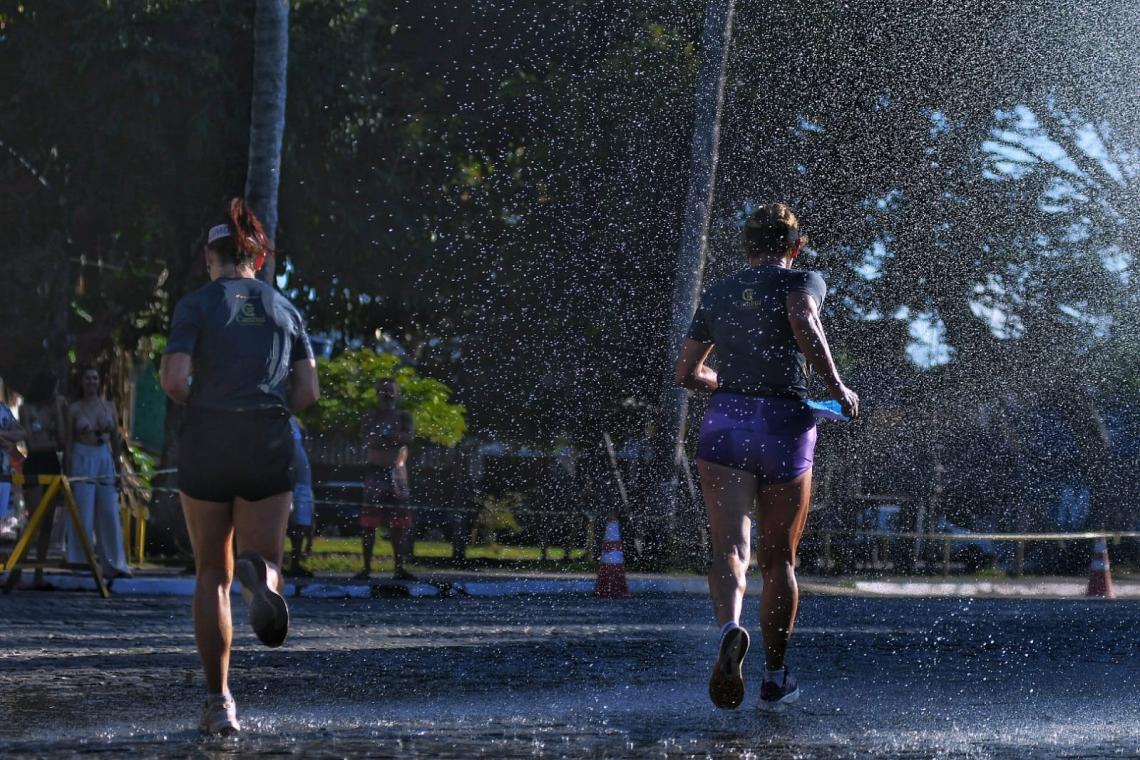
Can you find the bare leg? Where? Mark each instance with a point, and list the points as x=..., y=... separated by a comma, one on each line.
x=260, y=526
x=32, y=496
x=396, y=537
x=296, y=538
x=210, y=525
x=43, y=540
x=783, y=510
x=368, y=543
x=729, y=495
x=401, y=547
x=408, y=542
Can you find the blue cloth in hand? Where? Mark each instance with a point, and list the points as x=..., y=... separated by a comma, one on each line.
x=827, y=410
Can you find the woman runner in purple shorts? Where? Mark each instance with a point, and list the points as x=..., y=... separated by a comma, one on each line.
x=758, y=438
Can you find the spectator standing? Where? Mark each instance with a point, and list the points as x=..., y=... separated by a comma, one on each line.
x=301, y=517
x=93, y=445
x=247, y=348
x=11, y=433
x=44, y=416
x=757, y=440
x=387, y=433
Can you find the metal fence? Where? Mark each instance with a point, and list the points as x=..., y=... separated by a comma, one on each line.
x=882, y=543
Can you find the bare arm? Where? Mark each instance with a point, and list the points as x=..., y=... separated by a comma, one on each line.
x=304, y=388
x=407, y=432
x=13, y=435
x=174, y=376
x=692, y=372
x=803, y=315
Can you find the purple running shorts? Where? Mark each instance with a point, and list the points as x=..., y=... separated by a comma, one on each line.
x=772, y=438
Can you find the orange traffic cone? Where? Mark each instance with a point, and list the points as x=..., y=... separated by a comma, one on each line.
x=611, y=571
x=1100, y=573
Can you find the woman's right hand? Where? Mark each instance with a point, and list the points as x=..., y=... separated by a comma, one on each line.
x=848, y=400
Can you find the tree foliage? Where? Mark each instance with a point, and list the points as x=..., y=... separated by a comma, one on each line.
x=348, y=392
x=498, y=185
x=121, y=155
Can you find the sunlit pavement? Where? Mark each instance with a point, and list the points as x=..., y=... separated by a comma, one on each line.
x=574, y=676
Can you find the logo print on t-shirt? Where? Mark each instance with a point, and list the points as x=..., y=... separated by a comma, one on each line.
x=748, y=299
x=250, y=314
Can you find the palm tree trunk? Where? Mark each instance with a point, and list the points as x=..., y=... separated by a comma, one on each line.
x=267, y=116
x=669, y=436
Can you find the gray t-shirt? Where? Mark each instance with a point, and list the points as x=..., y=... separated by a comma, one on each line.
x=746, y=316
x=243, y=337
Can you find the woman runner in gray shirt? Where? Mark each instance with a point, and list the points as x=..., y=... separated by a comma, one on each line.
x=757, y=439
x=252, y=365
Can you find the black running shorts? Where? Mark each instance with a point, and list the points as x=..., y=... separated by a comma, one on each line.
x=223, y=455
x=41, y=463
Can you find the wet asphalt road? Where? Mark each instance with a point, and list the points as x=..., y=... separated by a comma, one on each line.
x=574, y=676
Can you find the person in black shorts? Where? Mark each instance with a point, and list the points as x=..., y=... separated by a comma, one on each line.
x=757, y=439
x=44, y=416
x=238, y=356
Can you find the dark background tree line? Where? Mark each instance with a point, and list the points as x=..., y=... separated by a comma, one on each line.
x=498, y=186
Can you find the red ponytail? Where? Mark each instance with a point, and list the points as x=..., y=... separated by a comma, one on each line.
x=250, y=239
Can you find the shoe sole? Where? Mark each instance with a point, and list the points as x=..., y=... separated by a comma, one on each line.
x=780, y=704
x=726, y=685
x=227, y=729
x=268, y=612
x=218, y=724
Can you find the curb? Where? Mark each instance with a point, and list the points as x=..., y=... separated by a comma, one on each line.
x=506, y=586
x=184, y=586
x=142, y=586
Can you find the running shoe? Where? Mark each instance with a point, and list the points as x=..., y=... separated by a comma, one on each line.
x=403, y=575
x=268, y=613
x=219, y=716
x=726, y=685
x=774, y=697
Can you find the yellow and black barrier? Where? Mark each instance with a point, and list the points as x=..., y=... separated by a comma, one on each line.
x=55, y=485
x=134, y=513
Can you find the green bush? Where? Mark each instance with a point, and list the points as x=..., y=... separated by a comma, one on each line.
x=348, y=392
